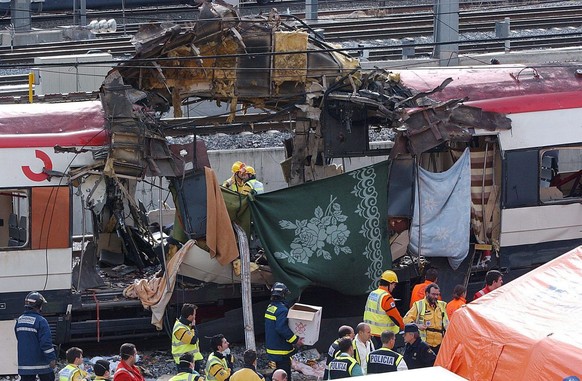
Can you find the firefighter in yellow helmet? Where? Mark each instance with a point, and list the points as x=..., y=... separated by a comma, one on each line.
x=237, y=182
x=380, y=311
x=252, y=181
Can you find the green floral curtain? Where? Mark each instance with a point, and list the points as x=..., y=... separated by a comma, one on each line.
x=331, y=232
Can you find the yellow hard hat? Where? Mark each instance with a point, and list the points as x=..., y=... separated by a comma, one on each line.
x=237, y=166
x=250, y=170
x=389, y=276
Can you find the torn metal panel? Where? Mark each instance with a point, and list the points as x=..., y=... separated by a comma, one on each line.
x=190, y=156
x=429, y=127
x=345, y=129
x=207, y=59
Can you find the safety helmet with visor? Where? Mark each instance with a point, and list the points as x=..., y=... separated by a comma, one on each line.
x=34, y=299
x=279, y=290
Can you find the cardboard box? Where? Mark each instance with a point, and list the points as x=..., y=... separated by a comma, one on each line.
x=304, y=321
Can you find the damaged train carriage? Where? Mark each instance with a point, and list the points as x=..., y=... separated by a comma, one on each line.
x=279, y=65
x=514, y=205
x=511, y=156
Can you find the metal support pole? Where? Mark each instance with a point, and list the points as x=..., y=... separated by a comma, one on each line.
x=20, y=15
x=408, y=49
x=123, y=15
x=364, y=53
x=83, y=13
x=245, y=283
x=311, y=10
x=502, y=31
x=446, y=32
x=30, y=92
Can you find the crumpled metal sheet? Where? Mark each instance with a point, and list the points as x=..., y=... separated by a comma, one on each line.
x=429, y=127
x=227, y=58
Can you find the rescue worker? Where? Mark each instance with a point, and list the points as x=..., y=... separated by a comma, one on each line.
x=362, y=344
x=344, y=365
x=343, y=331
x=220, y=361
x=237, y=182
x=186, y=370
x=417, y=294
x=280, y=342
x=459, y=294
x=417, y=353
x=255, y=184
x=493, y=280
x=36, y=354
x=185, y=338
x=380, y=311
x=126, y=369
x=430, y=316
x=72, y=372
x=384, y=360
x=102, y=369
x=249, y=372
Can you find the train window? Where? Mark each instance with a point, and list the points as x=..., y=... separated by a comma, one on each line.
x=14, y=218
x=560, y=174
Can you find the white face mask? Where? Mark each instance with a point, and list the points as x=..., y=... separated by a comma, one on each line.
x=226, y=352
x=137, y=358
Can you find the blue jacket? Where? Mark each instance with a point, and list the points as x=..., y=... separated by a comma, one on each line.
x=35, y=345
x=279, y=338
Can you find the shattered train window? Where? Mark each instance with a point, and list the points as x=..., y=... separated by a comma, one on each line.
x=561, y=174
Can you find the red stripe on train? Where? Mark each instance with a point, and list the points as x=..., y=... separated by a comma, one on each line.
x=85, y=138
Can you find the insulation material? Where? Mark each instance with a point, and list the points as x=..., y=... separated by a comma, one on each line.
x=290, y=67
x=526, y=330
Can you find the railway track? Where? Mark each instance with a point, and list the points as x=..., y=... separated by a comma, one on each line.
x=395, y=26
x=332, y=9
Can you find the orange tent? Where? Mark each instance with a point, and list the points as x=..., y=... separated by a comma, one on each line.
x=529, y=329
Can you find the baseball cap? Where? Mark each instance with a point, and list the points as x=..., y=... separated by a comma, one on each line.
x=409, y=328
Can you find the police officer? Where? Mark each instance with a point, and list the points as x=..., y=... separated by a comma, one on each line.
x=417, y=353
x=344, y=365
x=186, y=370
x=386, y=360
x=36, y=354
x=185, y=337
x=343, y=331
x=280, y=341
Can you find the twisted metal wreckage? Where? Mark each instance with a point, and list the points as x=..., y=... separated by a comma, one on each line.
x=278, y=64
x=274, y=62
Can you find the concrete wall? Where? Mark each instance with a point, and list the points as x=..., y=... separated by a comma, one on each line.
x=264, y=160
